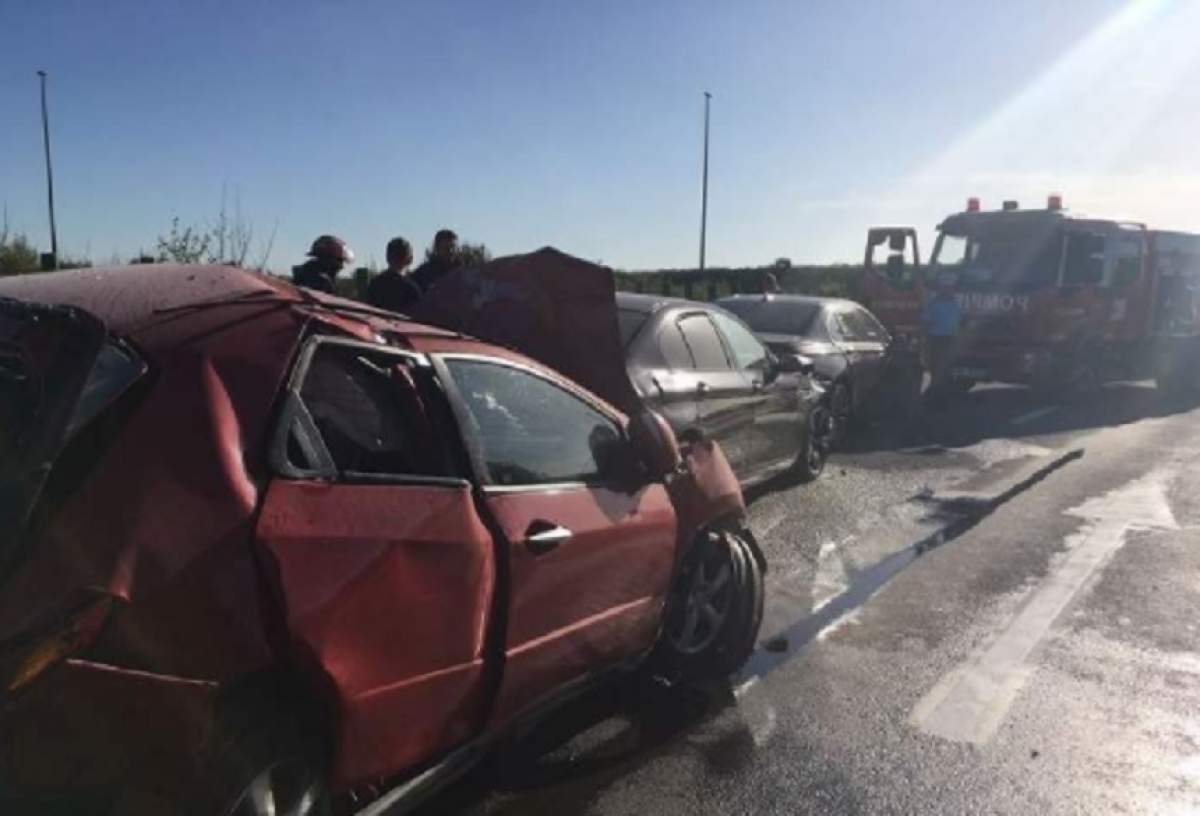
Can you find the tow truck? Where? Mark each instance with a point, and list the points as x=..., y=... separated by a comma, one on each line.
x=1048, y=298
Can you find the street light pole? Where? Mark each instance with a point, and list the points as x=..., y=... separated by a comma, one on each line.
x=49, y=175
x=704, y=194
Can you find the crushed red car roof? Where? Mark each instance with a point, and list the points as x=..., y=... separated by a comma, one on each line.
x=124, y=297
x=130, y=299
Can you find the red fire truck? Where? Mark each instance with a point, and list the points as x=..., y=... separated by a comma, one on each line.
x=1048, y=298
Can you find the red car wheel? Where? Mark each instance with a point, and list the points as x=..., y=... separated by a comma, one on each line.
x=715, y=609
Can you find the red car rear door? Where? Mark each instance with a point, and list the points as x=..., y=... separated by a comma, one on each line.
x=589, y=551
x=385, y=573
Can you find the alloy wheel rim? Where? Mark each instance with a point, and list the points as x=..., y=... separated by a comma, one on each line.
x=706, y=606
x=286, y=788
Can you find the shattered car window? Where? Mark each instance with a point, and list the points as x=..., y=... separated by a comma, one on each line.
x=354, y=404
x=115, y=369
x=531, y=431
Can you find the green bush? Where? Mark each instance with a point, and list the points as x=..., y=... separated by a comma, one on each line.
x=17, y=256
x=837, y=280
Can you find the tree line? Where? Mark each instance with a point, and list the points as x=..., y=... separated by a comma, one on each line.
x=230, y=239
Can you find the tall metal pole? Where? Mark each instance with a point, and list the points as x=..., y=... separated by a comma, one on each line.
x=704, y=194
x=49, y=174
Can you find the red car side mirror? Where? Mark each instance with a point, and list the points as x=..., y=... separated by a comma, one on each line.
x=654, y=443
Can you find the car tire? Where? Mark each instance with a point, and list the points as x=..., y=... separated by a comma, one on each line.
x=714, y=611
x=818, y=439
x=841, y=407
x=263, y=760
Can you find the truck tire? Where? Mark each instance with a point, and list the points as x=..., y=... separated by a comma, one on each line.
x=714, y=611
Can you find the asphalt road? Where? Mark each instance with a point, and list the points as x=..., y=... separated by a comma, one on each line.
x=993, y=610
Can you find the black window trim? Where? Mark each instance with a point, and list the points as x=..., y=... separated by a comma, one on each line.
x=294, y=410
x=474, y=448
x=730, y=358
x=731, y=353
x=669, y=321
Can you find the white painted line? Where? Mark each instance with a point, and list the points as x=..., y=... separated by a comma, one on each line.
x=741, y=690
x=1002, y=450
x=830, y=579
x=969, y=704
x=1036, y=414
x=852, y=619
x=768, y=527
x=762, y=733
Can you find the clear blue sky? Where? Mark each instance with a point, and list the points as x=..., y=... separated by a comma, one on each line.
x=578, y=124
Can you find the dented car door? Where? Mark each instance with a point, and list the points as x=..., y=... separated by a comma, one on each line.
x=385, y=572
x=589, y=548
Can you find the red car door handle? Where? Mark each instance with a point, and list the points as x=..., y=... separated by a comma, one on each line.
x=543, y=536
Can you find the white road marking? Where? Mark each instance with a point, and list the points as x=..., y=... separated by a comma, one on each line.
x=1036, y=414
x=830, y=579
x=741, y=690
x=768, y=527
x=762, y=733
x=845, y=620
x=969, y=704
x=1002, y=450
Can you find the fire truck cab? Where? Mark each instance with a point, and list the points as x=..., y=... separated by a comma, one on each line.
x=1051, y=299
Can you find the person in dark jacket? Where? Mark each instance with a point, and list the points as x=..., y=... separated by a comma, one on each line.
x=393, y=288
x=441, y=260
x=326, y=258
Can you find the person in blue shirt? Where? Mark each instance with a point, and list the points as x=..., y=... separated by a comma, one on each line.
x=941, y=320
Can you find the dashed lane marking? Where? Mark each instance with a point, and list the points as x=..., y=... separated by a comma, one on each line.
x=1035, y=414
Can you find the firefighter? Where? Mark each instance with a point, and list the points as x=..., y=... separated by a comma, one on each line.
x=328, y=255
x=941, y=324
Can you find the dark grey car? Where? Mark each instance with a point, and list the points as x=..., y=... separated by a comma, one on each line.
x=868, y=373
x=705, y=371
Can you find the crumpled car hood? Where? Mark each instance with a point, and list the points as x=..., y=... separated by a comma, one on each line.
x=553, y=307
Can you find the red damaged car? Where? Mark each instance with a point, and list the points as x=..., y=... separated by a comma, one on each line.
x=265, y=551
